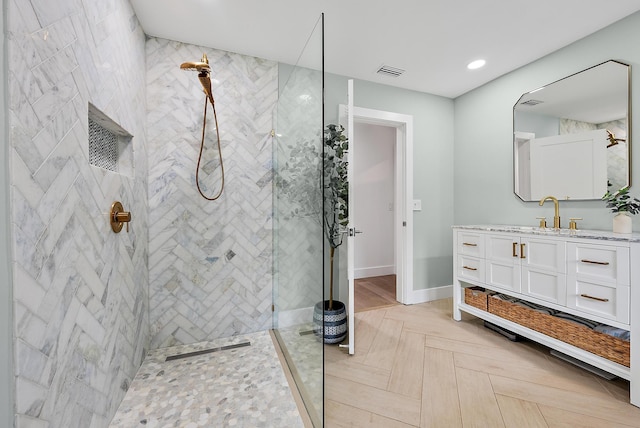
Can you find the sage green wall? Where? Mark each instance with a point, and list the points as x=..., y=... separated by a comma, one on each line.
x=432, y=167
x=483, y=167
x=6, y=345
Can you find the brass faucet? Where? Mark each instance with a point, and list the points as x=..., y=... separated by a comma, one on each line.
x=556, y=216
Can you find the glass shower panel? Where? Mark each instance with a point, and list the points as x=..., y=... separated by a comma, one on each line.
x=298, y=229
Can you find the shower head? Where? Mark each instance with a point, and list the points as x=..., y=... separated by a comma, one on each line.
x=201, y=66
x=204, y=71
x=196, y=66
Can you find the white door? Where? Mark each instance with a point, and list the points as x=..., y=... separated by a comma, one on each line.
x=404, y=202
x=346, y=120
x=352, y=228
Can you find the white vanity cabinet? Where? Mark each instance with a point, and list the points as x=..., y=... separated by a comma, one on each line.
x=589, y=274
x=527, y=265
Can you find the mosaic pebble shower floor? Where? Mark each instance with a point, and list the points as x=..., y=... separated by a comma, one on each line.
x=238, y=387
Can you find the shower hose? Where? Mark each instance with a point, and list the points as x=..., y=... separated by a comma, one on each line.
x=204, y=126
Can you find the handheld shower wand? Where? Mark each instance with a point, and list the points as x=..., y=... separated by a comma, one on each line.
x=204, y=73
x=205, y=81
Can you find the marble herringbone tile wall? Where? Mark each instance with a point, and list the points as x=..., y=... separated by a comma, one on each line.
x=80, y=290
x=210, y=262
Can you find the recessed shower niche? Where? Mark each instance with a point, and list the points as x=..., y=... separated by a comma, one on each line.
x=110, y=145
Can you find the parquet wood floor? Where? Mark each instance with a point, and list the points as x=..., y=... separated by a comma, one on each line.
x=375, y=292
x=416, y=367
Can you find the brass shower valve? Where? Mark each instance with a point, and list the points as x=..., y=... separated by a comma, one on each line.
x=118, y=217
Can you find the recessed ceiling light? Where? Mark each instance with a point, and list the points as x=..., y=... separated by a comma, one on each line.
x=476, y=64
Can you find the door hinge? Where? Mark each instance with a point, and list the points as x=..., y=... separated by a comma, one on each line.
x=273, y=308
x=404, y=224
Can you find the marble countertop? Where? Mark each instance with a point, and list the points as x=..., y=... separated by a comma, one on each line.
x=565, y=233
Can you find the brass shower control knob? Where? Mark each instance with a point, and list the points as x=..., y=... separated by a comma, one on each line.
x=123, y=217
x=119, y=217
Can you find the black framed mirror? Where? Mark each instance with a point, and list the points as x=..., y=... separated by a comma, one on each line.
x=571, y=138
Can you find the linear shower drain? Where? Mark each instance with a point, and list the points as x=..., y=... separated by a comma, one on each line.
x=207, y=351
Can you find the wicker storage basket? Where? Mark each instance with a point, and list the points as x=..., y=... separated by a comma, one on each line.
x=476, y=297
x=604, y=345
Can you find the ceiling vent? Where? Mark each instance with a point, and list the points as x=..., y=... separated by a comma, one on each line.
x=390, y=71
x=531, y=102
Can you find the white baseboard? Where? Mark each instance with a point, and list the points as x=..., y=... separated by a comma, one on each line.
x=374, y=271
x=305, y=315
x=295, y=317
x=429, y=294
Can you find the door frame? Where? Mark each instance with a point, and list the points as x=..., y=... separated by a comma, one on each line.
x=403, y=192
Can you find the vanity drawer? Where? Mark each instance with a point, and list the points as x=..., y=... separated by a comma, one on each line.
x=470, y=268
x=471, y=244
x=601, y=263
x=604, y=300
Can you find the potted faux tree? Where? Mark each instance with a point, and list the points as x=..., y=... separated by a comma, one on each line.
x=332, y=313
x=306, y=183
x=623, y=205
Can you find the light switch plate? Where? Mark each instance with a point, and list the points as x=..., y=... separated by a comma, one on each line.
x=417, y=205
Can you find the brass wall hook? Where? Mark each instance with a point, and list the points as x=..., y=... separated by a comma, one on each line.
x=118, y=217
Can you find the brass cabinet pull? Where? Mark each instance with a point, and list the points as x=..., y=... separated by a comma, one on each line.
x=599, y=299
x=514, y=249
x=469, y=244
x=594, y=263
x=522, y=251
x=468, y=268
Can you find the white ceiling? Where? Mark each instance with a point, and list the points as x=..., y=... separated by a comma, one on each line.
x=433, y=40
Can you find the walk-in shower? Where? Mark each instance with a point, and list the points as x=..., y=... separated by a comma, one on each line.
x=298, y=239
x=204, y=75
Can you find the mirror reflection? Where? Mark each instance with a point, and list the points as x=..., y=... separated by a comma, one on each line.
x=571, y=137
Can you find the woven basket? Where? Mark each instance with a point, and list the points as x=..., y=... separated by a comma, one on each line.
x=604, y=345
x=476, y=297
